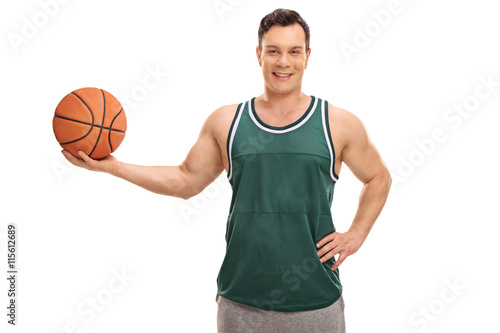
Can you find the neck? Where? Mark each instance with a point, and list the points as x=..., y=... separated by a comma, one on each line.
x=281, y=102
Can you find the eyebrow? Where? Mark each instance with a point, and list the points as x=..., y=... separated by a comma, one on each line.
x=276, y=47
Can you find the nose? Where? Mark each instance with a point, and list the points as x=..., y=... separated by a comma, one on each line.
x=283, y=60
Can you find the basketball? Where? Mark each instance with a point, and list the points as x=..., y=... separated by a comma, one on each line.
x=91, y=120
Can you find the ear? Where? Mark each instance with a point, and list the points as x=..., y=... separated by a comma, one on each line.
x=259, y=55
x=308, y=53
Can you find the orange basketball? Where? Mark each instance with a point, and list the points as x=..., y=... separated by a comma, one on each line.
x=91, y=120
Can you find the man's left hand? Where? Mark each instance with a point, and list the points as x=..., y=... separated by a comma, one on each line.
x=343, y=244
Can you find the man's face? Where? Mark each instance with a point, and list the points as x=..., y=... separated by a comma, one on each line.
x=283, y=58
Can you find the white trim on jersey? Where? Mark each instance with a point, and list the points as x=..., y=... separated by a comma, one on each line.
x=235, y=126
x=283, y=130
x=323, y=119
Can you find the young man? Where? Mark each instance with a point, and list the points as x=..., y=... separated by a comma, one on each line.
x=282, y=152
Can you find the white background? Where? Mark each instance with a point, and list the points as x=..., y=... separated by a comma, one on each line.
x=439, y=226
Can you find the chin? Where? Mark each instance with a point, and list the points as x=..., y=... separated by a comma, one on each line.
x=284, y=91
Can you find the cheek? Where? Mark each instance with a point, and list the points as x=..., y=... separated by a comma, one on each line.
x=266, y=64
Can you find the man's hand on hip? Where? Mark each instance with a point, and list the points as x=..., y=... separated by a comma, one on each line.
x=343, y=244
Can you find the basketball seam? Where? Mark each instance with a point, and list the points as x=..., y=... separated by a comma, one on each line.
x=110, y=128
x=82, y=122
x=90, y=110
x=91, y=125
x=102, y=124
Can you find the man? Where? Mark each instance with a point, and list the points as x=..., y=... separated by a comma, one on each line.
x=282, y=152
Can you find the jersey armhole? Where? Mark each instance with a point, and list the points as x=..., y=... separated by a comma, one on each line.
x=330, y=141
x=230, y=138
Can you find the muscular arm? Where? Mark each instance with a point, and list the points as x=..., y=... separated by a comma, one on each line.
x=365, y=162
x=203, y=164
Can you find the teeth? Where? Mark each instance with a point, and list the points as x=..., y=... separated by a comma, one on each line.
x=282, y=75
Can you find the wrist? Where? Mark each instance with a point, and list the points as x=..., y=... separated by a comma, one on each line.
x=115, y=168
x=358, y=233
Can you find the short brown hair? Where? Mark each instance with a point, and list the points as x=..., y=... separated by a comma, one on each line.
x=284, y=18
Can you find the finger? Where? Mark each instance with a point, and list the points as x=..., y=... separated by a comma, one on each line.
x=330, y=254
x=90, y=162
x=76, y=161
x=85, y=157
x=328, y=238
x=341, y=259
x=72, y=158
x=327, y=248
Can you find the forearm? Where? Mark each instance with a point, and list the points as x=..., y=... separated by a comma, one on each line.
x=166, y=180
x=371, y=201
x=202, y=165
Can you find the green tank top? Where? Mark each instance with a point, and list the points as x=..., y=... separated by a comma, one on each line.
x=283, y=180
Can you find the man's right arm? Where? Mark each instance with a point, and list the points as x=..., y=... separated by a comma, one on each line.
x=203, y=163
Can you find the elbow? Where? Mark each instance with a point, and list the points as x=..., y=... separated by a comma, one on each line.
x=175, y=188
x=181, y=194
x=186, y=192
x=185, y=186
x=387, y=179
x=179, y=185
x=382, y=179
x=184, y=196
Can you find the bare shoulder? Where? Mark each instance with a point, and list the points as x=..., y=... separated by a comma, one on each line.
x=224, y=113
x=345, y=126
x=345, y=119
x=219, y=121
x=357, y=151
x=217, y=127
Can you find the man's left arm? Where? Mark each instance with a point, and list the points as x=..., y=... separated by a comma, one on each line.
x=365, y=162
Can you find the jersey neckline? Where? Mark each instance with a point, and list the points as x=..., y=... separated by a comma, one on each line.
x=282, y=129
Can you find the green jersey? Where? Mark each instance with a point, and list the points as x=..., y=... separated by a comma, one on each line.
x=283, y=180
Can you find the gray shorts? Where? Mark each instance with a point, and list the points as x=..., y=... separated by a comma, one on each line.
x=233, y=317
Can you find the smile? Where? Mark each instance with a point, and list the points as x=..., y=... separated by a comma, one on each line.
x=282, y=74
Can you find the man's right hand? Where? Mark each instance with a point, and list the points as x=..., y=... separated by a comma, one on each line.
x=108, y=164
